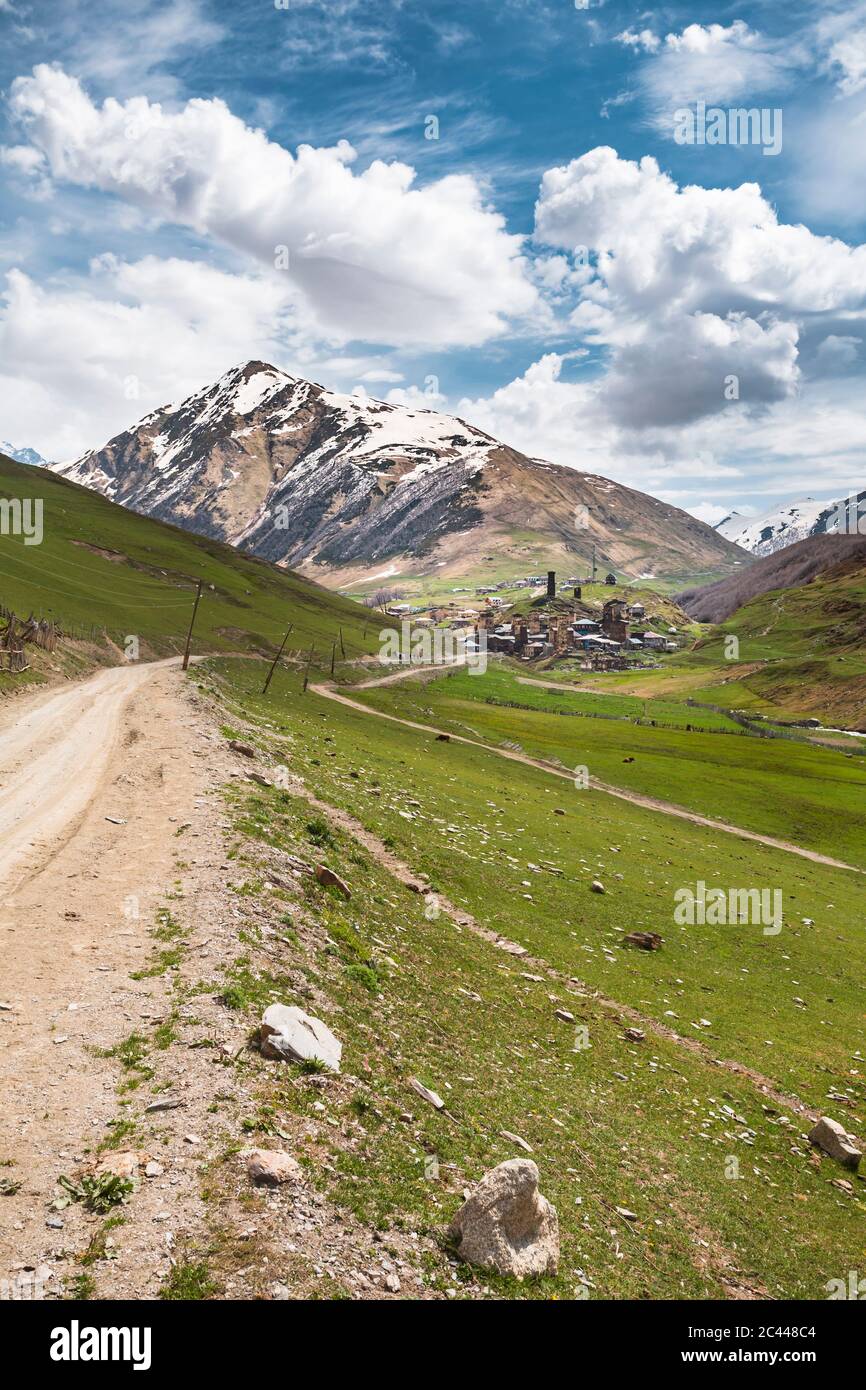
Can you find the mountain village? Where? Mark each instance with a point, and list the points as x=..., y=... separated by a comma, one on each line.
x=614, y=636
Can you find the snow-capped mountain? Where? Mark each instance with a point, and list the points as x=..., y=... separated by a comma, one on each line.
x=340, y=485
x=795, y=521
x=732, y=525
x=23, y=455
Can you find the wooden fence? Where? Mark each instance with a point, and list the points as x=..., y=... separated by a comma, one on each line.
x=17, y=633
x=46, y=633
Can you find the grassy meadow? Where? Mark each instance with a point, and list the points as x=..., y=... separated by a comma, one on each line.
x=814, y=797
x=723, y=1191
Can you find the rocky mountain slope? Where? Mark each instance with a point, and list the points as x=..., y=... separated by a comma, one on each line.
x=797, y=565
x=796, y=521
x=351, y=489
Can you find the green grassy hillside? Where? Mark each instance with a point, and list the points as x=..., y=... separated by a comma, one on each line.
x=801, y=654
x=812, y=643
x=104, y=573
x=656, y=1127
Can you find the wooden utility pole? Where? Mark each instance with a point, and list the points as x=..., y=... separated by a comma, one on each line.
x=342, y=645
x=333, y=656
x=191, y=624
x=276, y=658
x=309, y=664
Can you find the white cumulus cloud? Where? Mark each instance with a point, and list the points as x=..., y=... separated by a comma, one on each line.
x=83, y=361
x=715, y=63
x=842, y=38
x=691, y=286
x=700, y=306
x=375, y=257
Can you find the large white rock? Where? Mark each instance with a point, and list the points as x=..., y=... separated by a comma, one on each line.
x=506, y=1224
x=830, y=1136
x=289, y=1034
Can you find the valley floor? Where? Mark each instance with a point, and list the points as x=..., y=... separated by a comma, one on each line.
x=329, y=691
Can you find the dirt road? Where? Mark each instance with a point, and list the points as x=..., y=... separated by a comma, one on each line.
x=77, y=903
x=54, y=754
x=111, y=1048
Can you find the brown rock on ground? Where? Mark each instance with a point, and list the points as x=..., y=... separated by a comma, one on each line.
x=271, y=1167
x=329, y=879
x=124, y=1163
x=644, y=940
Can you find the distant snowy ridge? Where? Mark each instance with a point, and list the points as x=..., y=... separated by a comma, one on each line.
x=796, y=521
x=23, y=455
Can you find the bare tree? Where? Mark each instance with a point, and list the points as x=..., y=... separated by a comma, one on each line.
x=380, y=597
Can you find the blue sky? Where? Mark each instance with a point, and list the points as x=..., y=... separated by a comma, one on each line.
x=186, y=185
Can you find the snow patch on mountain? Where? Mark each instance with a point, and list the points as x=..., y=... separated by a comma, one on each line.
x=795, y=521
x=256, y=389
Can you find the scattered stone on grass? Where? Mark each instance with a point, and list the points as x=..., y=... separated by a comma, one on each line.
x=246, y=749
x=645, y=940
x=829, y=1136
x=329, y=879
x=271, y=1167
x=426, y=1094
